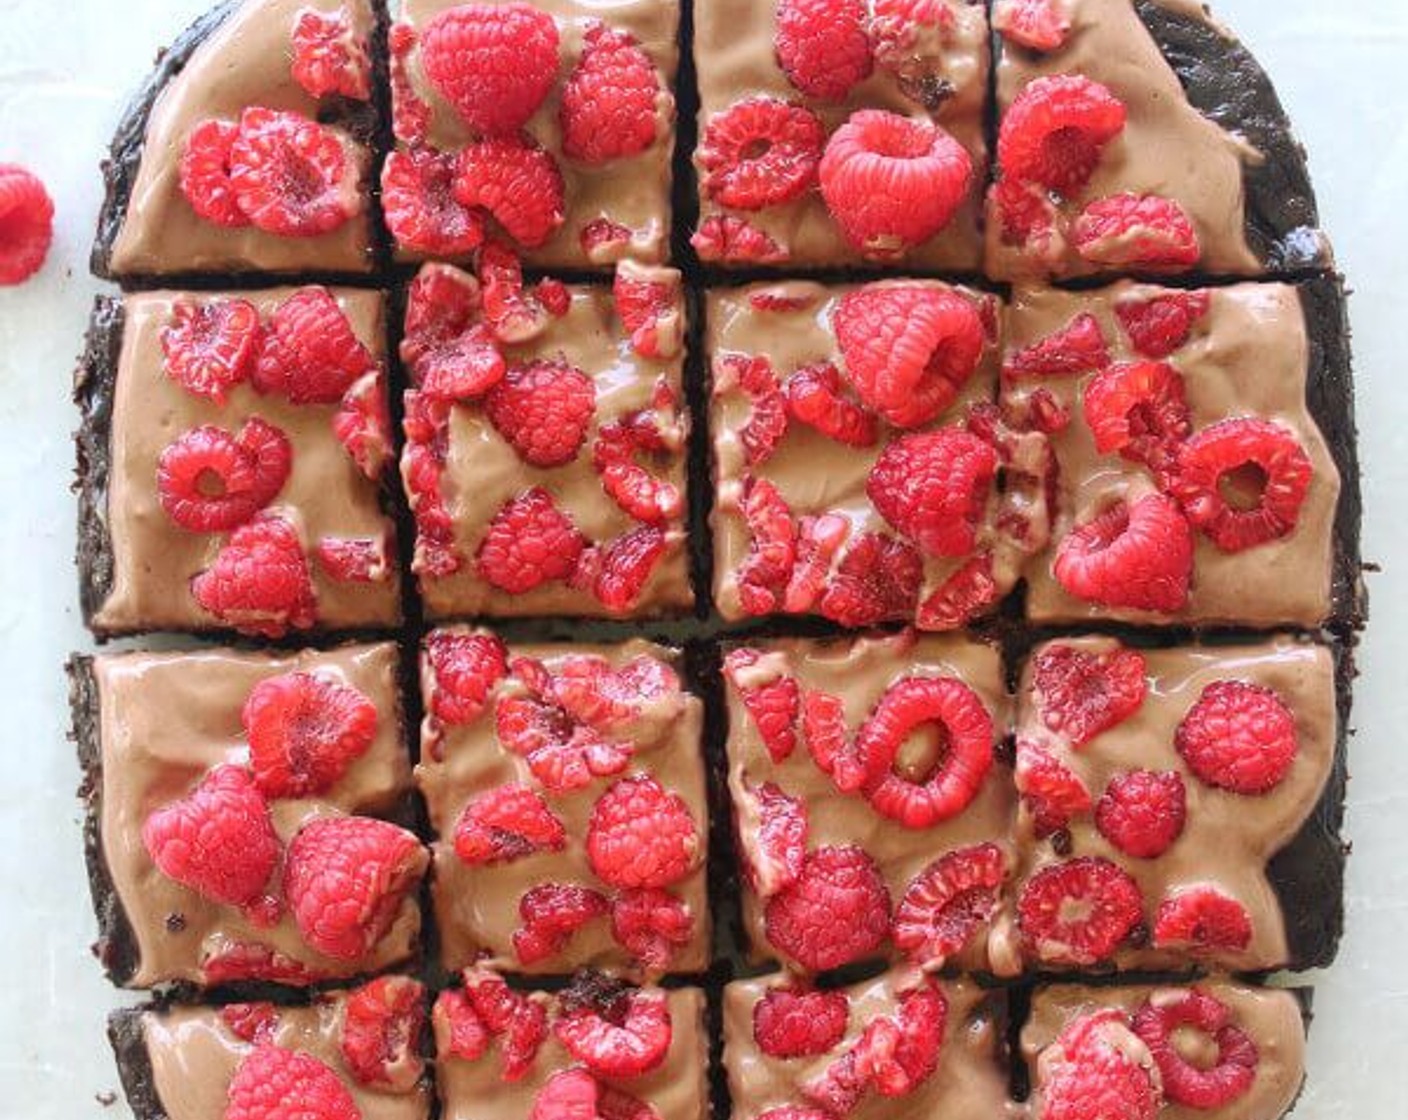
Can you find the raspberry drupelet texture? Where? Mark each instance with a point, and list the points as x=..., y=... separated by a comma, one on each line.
x=1138, y=556
x=1052, y=793
x=760, y=152
x=933, y=487
x=310, y=352
x=529, y=542
x=463, y=669
x=507, y=823
x=791, y=1023
x=543, y=409
x=290, y=175
x=945, y=905
x=641, y=835
x=823, y=46
x=1142, y=812
x=1054, y=131
x=617, y=1032
x=1080, y=694
x=381, y=1028
x=1239, y=737
x=1078, y=912
x=272, y=1083
x=612, y=103
x=209, y=481
x=328, y=58
x=515, y=181
x=259, y=582
x=304, y=732
x=26, y=224
x=837, y=911
x=1098, y=1069
x=210, y=346
x=1225, y=1076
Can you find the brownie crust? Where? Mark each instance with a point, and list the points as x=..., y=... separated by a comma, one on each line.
x=134, y=1063
x=93, y=384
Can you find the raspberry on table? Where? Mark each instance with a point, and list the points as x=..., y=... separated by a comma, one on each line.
x=1225, y=1076
x=759, y=152
x=529, y=542
x=823, y=46
x=1138, y=556
x=1137, y=231
x=948, y=902
x=507, y=823
x=1051, y=791
x=311, y=354
x=422, y=213
x=1239, y=737
x=1077, y=347
x=1080, y=694
x=205, y=173
x=641, y=835
x=837, y=912
x=651, y=925
x=934, y=488
x=543, y=409
x=272, y=1083
x=612, y=102
x=816, y=397
x=259, y=582
x=1056, y=129
x=517, y=182
x=304, y=732
x=328, y=57
x=209, y=346
x=735, y=240
x=624, y=1034
x=1078, y=912
x=1142, y=812
x=382, y=1023
x=290, y=175
x=1202, y=918
x=791, y=1023
x=1158, y=325
x=209, y=481
x=551, y=914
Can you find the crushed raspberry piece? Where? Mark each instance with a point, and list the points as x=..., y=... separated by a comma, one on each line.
x=251, y=1022
x=495, y=63
x=640, y=698
x=969, y=592
x=311, y=354
x=208, y=346
x=933, y=487
x=381, y=1028
x=1202, y=918
x=460, y=671
x=554, y=296
x=776, y=826
x=1142, y=812
x=759, y=152
x=626, y=565
x=734, y=240
x=218, y=841
x=1139, y=556
x=259, y=583
x=362, y=424
x=517, y=182
x=612, y=101
x=209, y=481
x=1137, y=231
x=815, y=397
x=1139, y=409
x=345, y=880
x=272, y=1083
x=773, y=701
x=1211, y=1083
x=574, y=1094
x=436, y=553
x=641, y=835
x=876, y=581
x=560, y=753
x=1078, y=912
x=442, y=303
x=828, y=739
x=420, y=207
x=1159, y=325
x=410, y=115
x=822, y=45
x=328, y=58
x=1027, y=217
x=304, y=731
x=819, y=539
x=790, y=1023
x=651, y=924
x=604, y=241
x=456, y=1021
x=514, y=314
x=1052, y=792
x=892, y=182
x=948, y=902
x=205, y=173
x=897, y=28
x=837, y=1090
x=838, y=910
x=1038, y=25
x=1239, y=737
x=896, y=1054
x=650, y=305
x=354, y=559
x=1097, y=1067
x=772, y=552
x=505, y=824
x=1055, y=130
x=292, y=176
x=1077, y=347
x=519, y=1021
x=767, y=418
x=613, y=1030
x=631, y=486
x=529, y=542
x=246, y=960
x=551, y=914
x=1080, y=694
x=543, y=409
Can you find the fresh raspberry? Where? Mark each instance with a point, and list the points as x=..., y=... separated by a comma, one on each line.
x=969, y=592
x=328, y=58
x=304, y=731
x=208, y=347
x=898, y=1053
x=1243, y=482
x=621, y=1033
x=604, y=241
x=362, y=424
x=465, y=1034
x=464, y=368
x=1098, y=1069
x=259, y=582
x=1139, y=409
x=514, y=314
x=1139, y=556
x=788, y=1023
x=505, y=824
x=908, y=348
x=238, y=961
x=1052, y=792
x=251, y=1022
x=543, y=409
x=381, y=1027
x=1202, y=918
x=651, y=924
x=1137, y=231
x=766, y=425
x=611, y=102
x=1078, y=912
x=892, y=182
x=838, y=910
x=1212, y=1082
x=1077, y=347
x=291, y=175
x=773, y=827
x=1027, y=218
x=205, y=174
x=795, y=1112
x=421, y=211
x=822, y=45
x=460, y=671
x=495, y=63
x=1081, y=695
x=519, y=1021
x=311, y=354
x=272, y=1083
x=554, y=295
x=815, y=397
x=574, y=1094
x=876, y=581
x=354, y=559
x=1159, y=325
x=650, y=305
x=1038, y=25
x=345, y=880
x=1239, y=737
x=625, y=565
x=933, y=487
x=410, y=115
x=517, y=182
x=828, y=739
x=218, y=841
x=734, y=240
x=641, y=835
x=898, y=29
x=437, y=555
x=560, y=753
x=772, y=551
x=639, y=699
x=551, y=914
x=209, y=481
x=772, y=701
x=638, y=492
x=819, y=539
x=836, y=1091
x=1142, y=812
x=948, y=902
x=442, y=303
x=1054, y=131
x=529, y=542
x=760, y=152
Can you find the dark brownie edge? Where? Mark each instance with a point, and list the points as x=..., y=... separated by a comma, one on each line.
x=93, y=383
x=134, y=1063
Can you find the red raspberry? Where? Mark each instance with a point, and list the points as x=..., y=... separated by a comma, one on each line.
x=381, y=1028
x=734, y=240
x=513, y=314
x=554, y=296
x=876, y=581
x=651, y=924
x=1140, y=410
x=209, y=347
x=1081, y=695
x=205, y=173
x=641, y=835
x=781, y=299
x=837, y=1090
x=495, y=63
x=1077, y=347
x=362, y=424
x=1243, y=482
x=238, y=961
x=1142, y=812
x=304, y=732
x=291, y=175
x=560, y=753
x=1239, y=737
x=612, y=102
x=421, y=211
x=1078, y=912
x=819, y=539
x=209, y=481
x=815, y=398
x=1052, y=792
x=773, y=828
x=459, y=1025
x=771, y=700
x=934, y=487
x=328, y=58
x=1038, y=25
x=966, y=594
x=259, y=582
x=759, y=152
x=218, y=841
x=442, y=303
x=795, y=1112
x=626, y=565
x=898, y=1053
x=1202, y=918
x=251, y=1022
x=552, y=913
x=1137, y=231
x=838, y=910
x=772, y=552
x=650, y=306
x=631, y=486
x=822, y=45
x=311, y=354
x=464, y=368
x=1097, y=1070
x=505, y=824
x=574, y=1094
x=272, y=1083
x=543, y=409
x=459, y=672
x=410, y=115
x=1054, y=131
x=1028, y=219
x=529, y=542
x=1140, y=557
x=896, y=27
x=892, y=182
x=519, y=1021
x=604, y=241
x=789, y=1023
x=908, y=348
x=640, y=699
x=766, y=425
x=1159, y=325
x=948, y=902
x=621, y=1033
x=345, y=881
x=354, y=559
x=517, y=182
x=1211, y=1083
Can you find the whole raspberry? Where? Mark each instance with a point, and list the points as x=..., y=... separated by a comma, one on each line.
x=1214, y=1081
x=354, y=559
x=892, y=182
x=1038, y=25
x=1080, y=694
x=1138, y=556
x=822, y=45
x=251, y=1022
x=519, y=1021
x=462, y=1032
x=612, y=103
x=495, y=63
x=1097, y=1069
x=311, y=354
x=1139, y=409
x=362, y=424
x=651, y=924
x=551, y=914
x=947, y=903
x=543, y=409
x=381, y=1027
x=259, y=582
x=1077, y=347
x=876, y=581
x=838, y=910
x=517, y=182
x=291, y=175
x=1239, y=737
x=507, y=823
x=623, y=567
x=638, y=491
x=304, y=731
x=209, y=481
x=934, y=487
x=529, y=542
x=1243, y=482
x=1137, y=231
x=790, y=1023
x=420, y=207
x=1142, y=812
x=763, y=575
x=272, y=1083
x=1159, y=325
x=641, y=835
x=815, y=397
x=1078, y=912
x=26, y=224
x=345, y=881
x=1055, y=130
x=204, y=173
x=734, y=240
x=209, y=347
x=1202, y=918
x=766, y=425
x=219, y=841
x=613, y=1030
x=969, y=592
x=328, y=58
x=773, y=831
x=759, y=152
x=650, y=304
x=1052, y=793
x=459, y=672
x=908, y=348
x=771, y=700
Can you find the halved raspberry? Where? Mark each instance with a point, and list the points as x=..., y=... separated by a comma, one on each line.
x=461, y=670
x=1214, y=1079
x=543, y=409
x=465, y=1033
x=251, y=1022
x=1142, y=812
x=421, y=210
x=1159, y=325
x=791, y=1023
x=1054, y=131
x=948, y=902
x=651, y=924
x=771, y=699
x=838, y=910
x=345, y=880
x=773, y=829
x=772, y=550
x=507, y=823
x=354, y=559
x=304, y=732
x=969, y=592
x=898, y=1053
x=828, y=740
x=1077, y=347
x=554, y=296
x=1038, y=25
x=604, y=241
x=514, y=314
x=208, y=346
x=933, y=487
x=612, y=102
x=1139, y=409
x=495, y=63
x=635, y=489
x=1080, y=694
x=1137, y=231
x=219, y=840
x=1202, y=918
x=410, y=115
x=734, y=240
x=1027, y=218
x=362, y=424
x=908, y=348
x=1239, y=737
x=381, y=1027
x=517, y=182
x=237, y=961
x=819, y=539
x=291, y=175
x=641, y=835
x=209, y=481
x=1138, y=556
x=529, y=542
x=259, y=582
x=551, y=914
x=892, y=182
x=624, y=565
x=442, y=303
x=560, y=753
x=783, y=298
x=1052, y=792
x=766, y=425
x=822, y=45
x=815, y=397
x=518, y=1020
x=1243, y=482
x=876, y=581
x=618, y=1032
x=1078, y=912
x=271, y=1083
x=650, y=305
x=640, y=700
x=1098, y=1068
x=328, y=58
x=205, y=173
x=759, y=152
x=311, y=354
